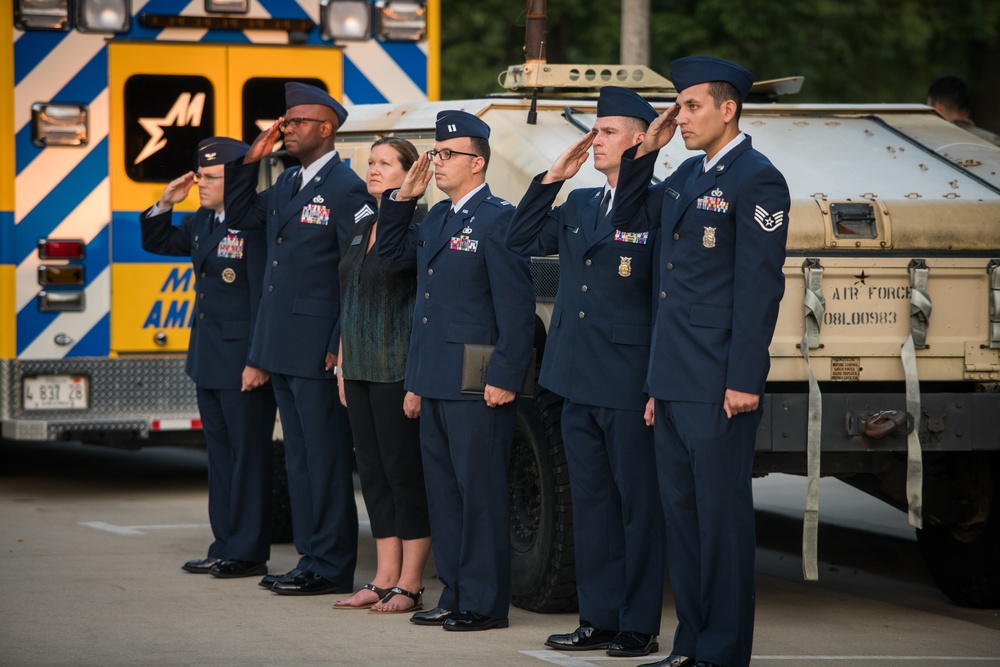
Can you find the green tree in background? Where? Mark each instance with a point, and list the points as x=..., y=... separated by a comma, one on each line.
x=848, y=50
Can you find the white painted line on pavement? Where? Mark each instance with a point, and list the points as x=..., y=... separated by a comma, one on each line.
x=139, y=530
x=564, y=660
x=887, y=658
x=561, y=659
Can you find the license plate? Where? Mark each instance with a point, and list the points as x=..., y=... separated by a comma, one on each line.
x=56, y=392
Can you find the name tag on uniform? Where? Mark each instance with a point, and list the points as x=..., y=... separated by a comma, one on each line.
x=464, y=243
x=356, y=240
x=231, y=247
x=571, y=229
x=673, y=193
x=315, y=214
x=631, y=237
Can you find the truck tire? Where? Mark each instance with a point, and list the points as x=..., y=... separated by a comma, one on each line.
x=965, y=562
x=281, y=508
x=541, y=518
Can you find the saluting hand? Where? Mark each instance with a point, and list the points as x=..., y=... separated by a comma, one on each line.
x=567, y=164
x=264, y=143
x=415, y=183
x=176, y=190
x=660, y=132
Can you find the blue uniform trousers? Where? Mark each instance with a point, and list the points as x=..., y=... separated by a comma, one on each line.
x=617, y=519
x=239, y=429
x=705, y=461
x=319, y=457
x=466, y=453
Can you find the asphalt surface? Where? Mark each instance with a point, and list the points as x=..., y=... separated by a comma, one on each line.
x=92, y=539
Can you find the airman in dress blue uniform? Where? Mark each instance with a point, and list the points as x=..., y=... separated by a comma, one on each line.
x=723, y=216
x=596, y=358
x=470, y=290
x=308, y=215
x=228, y=266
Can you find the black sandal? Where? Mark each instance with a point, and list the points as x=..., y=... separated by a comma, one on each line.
x=418, y=601
x=380, y=592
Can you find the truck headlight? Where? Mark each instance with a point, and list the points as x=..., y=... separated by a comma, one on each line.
x=400, y=21
x=108, y=16
x=41, y=14
x=345, y=20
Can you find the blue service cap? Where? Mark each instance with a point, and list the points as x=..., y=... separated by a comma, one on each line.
x=692, y=70
x=302, y=93
x=618, y=101
x=220, y=150
x=451, y=124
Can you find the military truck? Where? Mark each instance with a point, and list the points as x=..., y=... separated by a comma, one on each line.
x=886, y=359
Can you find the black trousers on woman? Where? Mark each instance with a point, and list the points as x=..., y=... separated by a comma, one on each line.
x=387, y=446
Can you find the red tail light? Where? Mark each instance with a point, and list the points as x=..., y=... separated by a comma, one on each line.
x=61, y=248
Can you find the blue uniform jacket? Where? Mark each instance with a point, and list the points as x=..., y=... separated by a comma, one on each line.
x=300, y=299
x=470, y=289
x=721, y=281
x=597, y=351
x=228, y=269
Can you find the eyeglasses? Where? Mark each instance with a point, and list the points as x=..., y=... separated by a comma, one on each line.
x=295, y=122
x=208, y=178
x=446, y=153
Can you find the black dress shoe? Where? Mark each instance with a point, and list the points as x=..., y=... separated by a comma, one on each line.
x=270, y=580
x=201, y=566
x=307, y=582
x=702, y=663
x=435, y=616
x=629, y=644
x=672, y=660
x=470, y=621
x=584, y=638
x=232, y=569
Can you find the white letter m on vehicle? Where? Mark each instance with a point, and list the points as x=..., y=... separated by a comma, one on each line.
x=185, y=111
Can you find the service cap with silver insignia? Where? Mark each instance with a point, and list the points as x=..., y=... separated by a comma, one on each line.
x=625, y=267
x=228, y=275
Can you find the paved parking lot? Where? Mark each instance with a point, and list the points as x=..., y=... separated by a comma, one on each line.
x=93, y=539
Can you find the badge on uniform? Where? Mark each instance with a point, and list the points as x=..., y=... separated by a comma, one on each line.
x=716, y=204
x=231, y=247
x=467, y=230
x=625, y=267
x=708, y=240
x=464, y=243
x=315, y=214
x=631, y=237
x=768, y=221
x=228, y=275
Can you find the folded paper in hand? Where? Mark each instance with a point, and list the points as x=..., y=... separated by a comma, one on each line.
x=475, y=364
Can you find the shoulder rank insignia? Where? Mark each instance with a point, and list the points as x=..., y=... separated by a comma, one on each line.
x=768, y=221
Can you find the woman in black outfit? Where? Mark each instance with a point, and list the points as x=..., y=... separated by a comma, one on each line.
x=376, y=312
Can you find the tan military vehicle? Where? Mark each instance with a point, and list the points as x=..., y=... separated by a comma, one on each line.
x=892, y=290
